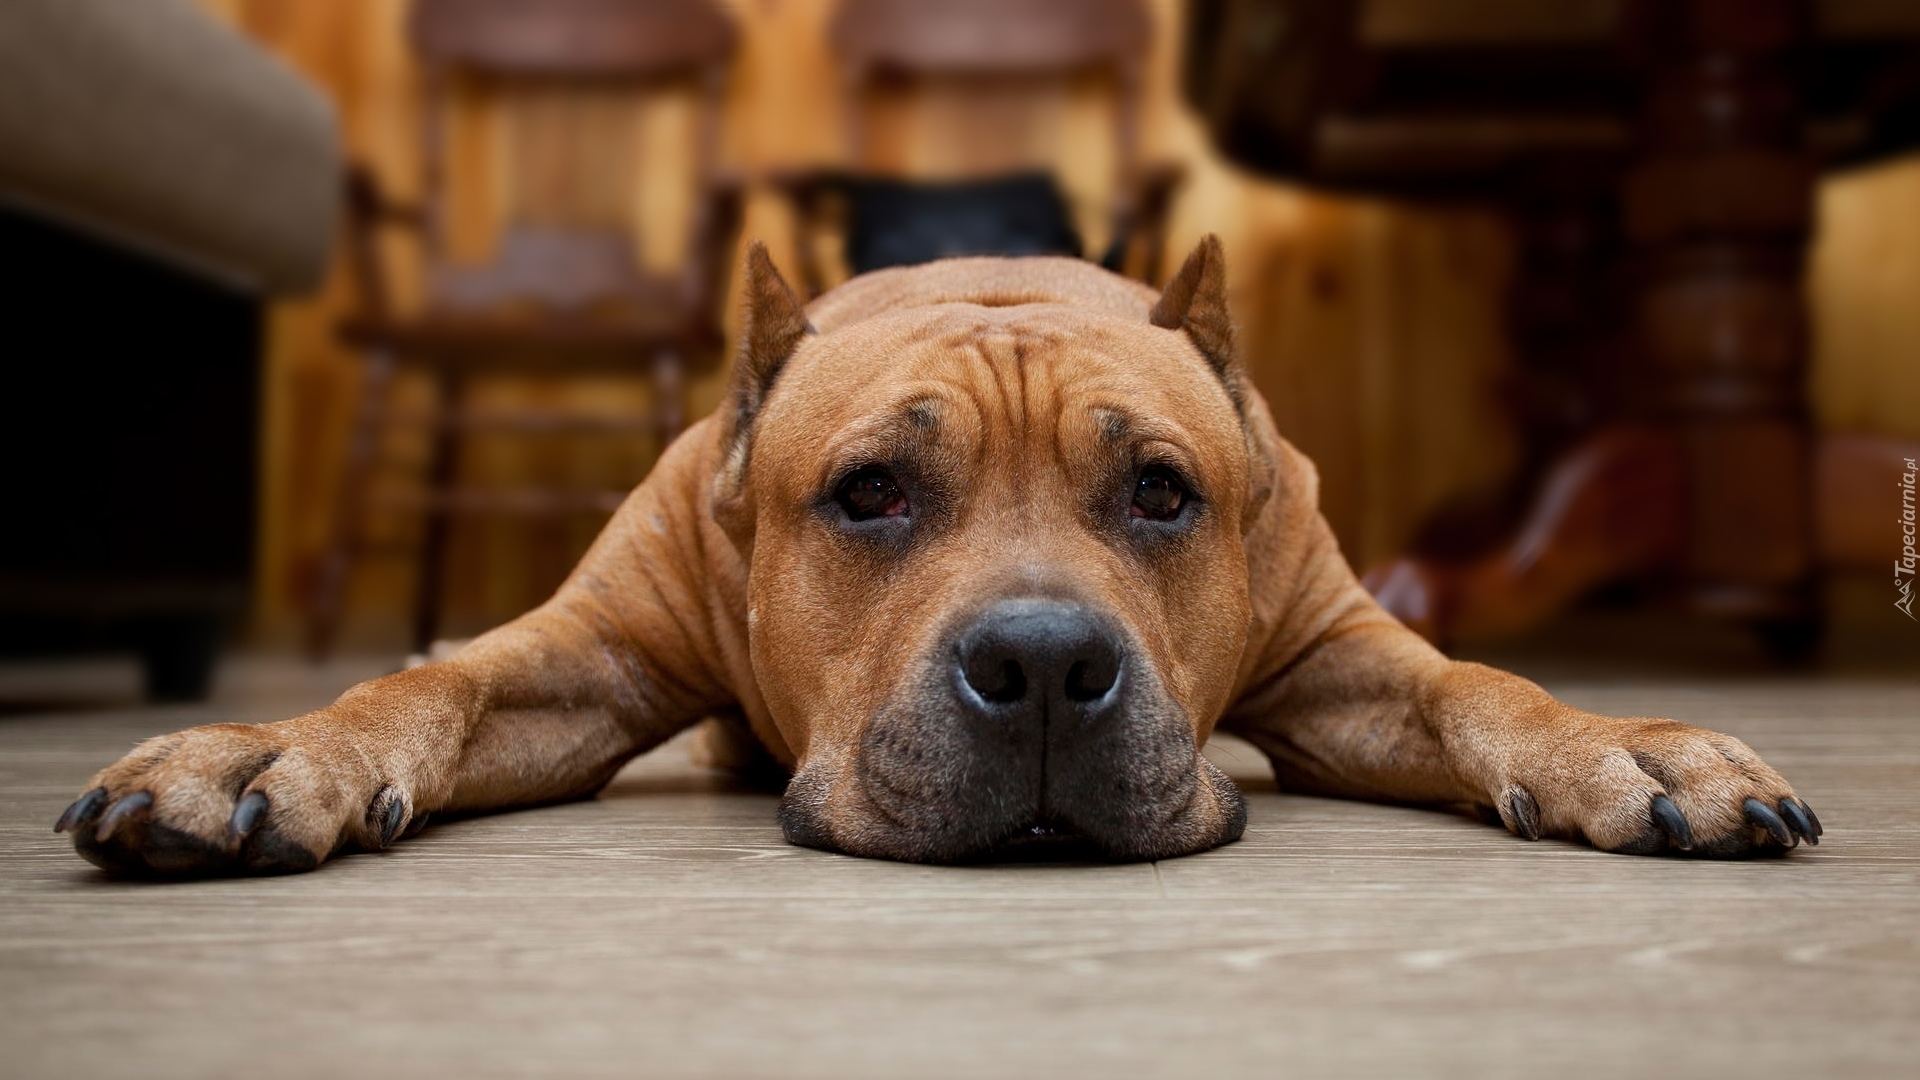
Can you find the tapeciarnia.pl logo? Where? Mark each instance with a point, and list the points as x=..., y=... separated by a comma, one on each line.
x=1904, y=564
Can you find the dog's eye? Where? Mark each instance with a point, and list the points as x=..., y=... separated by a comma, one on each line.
x=871, y=493
x=1158, y=494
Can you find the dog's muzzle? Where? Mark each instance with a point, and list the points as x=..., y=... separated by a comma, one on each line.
x=1037, y=718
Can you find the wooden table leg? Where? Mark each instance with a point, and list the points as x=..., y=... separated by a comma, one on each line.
x=1719, y=209
x=1712, y=485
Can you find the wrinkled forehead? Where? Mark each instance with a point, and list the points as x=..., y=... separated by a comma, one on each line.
x=1028, y=368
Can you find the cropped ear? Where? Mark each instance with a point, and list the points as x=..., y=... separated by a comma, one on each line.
x=772, y=324
x=1196, y=301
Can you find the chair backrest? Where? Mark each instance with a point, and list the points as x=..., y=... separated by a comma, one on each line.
x=573, y=39
x=570, y=74
x=984, y=42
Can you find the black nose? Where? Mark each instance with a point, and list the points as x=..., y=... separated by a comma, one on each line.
x=1040, y=657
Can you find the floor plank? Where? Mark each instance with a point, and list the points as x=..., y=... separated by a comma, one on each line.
x=665, y=929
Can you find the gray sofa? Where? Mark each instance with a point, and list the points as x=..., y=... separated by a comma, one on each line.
x=160, y=177
x=149, y=122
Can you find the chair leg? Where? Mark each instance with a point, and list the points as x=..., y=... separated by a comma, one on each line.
x=670, y=405
x=328, y=601
x=442, y=471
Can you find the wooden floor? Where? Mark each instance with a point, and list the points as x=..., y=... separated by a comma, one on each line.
x=665, y=929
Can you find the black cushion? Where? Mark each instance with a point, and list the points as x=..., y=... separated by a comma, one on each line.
x=893, y=222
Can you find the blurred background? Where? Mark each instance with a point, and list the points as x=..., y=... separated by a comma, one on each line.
x=341, y=325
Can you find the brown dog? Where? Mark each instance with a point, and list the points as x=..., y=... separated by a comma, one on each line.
x=987, y=548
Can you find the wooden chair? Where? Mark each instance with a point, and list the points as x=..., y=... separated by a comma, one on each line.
x=996, y=53
x=564, y=293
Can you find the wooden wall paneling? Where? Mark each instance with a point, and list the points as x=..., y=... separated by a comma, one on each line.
x=1443, y=364
x=1865, y=284
x=1379, y=284
x=1372, y=332
x=1300, y=324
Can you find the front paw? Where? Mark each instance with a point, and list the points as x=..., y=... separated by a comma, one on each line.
x=1643, y=787
x=235, y=798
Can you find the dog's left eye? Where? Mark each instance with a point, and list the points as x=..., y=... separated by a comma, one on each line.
x=871, y=493
x=1158, y=494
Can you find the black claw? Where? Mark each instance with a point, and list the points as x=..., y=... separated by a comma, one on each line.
x=1797, y=821
x=137, y=803
x=1812, y=818
x=1672, y=822
x=247, y=816
x=390, y=829
x=83, y=808
x=1526, y=813
x=419, y=822
x=392, y=812
x=1762, y=815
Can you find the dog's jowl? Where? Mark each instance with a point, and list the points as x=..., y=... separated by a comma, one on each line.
x=980, y=550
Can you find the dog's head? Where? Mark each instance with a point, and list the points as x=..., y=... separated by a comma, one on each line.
x=994, y=515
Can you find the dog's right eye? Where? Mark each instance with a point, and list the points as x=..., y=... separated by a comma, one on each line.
x=1158, y=494
x=871, y=493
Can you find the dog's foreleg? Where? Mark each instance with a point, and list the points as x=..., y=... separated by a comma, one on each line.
x=547, y=707
x=1371, y=711
x=544, y=708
